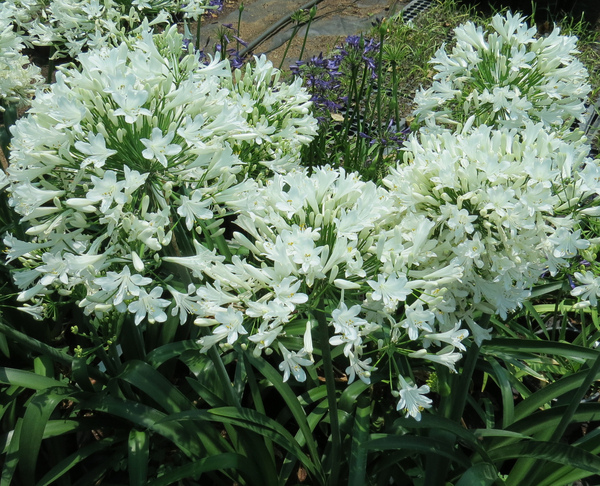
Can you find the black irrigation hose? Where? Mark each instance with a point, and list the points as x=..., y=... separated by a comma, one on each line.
x=275, y=27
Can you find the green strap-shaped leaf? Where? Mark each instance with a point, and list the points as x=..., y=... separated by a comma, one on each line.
x=545, y=420
x=350, y=395
x=27, y=379
x=479, y=475
x=81, y=376
x=549, y=451
x=206, y=394
x=155, y=385
x=292, y=402
x=12, y=456
x=437, y=422
x=35, y=419
x=255, y=422
x=544, y=347
x=550, y=392
x=360, y=435
x=313, y=419
x=35, y=345
x=4, y=346
x=138, y=448
x=64, y=466
x=94, y=475
x=559, y=475
x=169, y=351
x=502, y=379
x=214, y=463
x=147, y=417
x=386, y=442
x=55, y=428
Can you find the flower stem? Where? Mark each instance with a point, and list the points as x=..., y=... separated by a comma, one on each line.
x=313, y=12
x=331, y=397
x=287, y=48
x=198, y=32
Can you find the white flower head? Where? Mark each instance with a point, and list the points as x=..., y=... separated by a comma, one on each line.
x=159, y=147
x=412, y=399
x=292, y=363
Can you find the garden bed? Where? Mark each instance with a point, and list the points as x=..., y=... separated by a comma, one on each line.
x=380, y=270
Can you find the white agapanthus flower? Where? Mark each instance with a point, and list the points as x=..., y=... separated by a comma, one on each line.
x=18, y=77
x=505, y=76
x=75, y=26
x=120, y=172
x=330, y=241
x=412, y=398
x=500, y=204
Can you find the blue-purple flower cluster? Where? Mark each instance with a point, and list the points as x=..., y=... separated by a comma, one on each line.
x=323, y=76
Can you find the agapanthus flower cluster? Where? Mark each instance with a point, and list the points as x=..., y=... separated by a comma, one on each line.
x=278, y=113
x=121, y=166
x=505, y=77
x=324, y=77
x=18, y=77
x=501, y=204
x=329, y=243
x=70, y=26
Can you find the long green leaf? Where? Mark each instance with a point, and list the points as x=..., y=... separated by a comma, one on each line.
x=253, y=421
x=55, y=428
x=30, y=380
x=360, y=435
x=155, y=385
x=292, y=402
x=385, y=442
x=71, y=461
x=545, y=347
x=502, y=379
x=169, y=351
x=214, y=463
x=35, y=345
x=555, y=475
x=479, y=475
x=550, y=392
x=147, y=417
x=12, y=456
x=546, y=420
x=36, y=416
x=138, y=448
x=437, y=422
x=313, y=419
x=549, y=451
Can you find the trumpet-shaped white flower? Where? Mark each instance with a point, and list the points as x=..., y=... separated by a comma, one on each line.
x=125, y=284
x=590, y=290
x=149, y=306
x=194, y=208
x=412, y=400
x=292, y=363
x=159, y=147
x=96, y=150
x=231, y=322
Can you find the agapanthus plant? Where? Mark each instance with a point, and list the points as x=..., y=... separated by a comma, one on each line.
x=69, y=26
x=505, y=77
x=124, y=164
x=502, y=204
x=18, y=77
x=324, y=248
